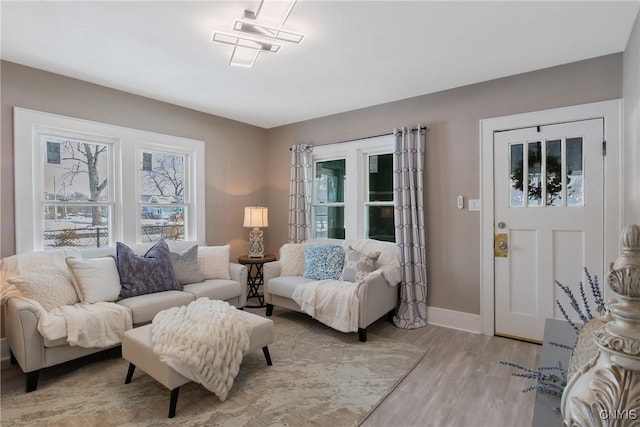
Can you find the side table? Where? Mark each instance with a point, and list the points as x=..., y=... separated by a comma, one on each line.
x=255, y=277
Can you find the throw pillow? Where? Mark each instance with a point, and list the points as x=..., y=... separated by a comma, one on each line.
x=49, y=285
x=292, y=259
x=186, y=267
x=214, y=261
x=323, y=261
x=95, y=279
x=358, y=265
x=140, y=275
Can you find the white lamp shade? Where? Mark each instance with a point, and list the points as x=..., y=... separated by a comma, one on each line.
x=256, y=217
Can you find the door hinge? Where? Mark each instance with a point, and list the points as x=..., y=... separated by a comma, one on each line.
x=604, y=148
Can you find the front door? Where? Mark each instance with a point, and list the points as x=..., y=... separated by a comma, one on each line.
x=549, y=221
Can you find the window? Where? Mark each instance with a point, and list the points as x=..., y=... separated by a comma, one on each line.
x=161, y=181
x=353, y=190
x=88, y=184
x=76, y=198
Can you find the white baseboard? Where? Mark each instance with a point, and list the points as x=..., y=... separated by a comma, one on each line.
x=4, y=349
x=454, y=319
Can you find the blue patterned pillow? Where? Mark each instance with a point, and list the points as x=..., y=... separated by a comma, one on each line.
x=146, y=274
x=323, y=261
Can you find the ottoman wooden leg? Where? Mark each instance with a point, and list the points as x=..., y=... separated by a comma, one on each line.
x=132, y=368
x=173, y=402
x=267, y=356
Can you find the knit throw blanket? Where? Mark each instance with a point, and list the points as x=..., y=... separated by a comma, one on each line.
x=203, y=341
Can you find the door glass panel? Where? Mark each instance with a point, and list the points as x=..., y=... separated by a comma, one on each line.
x=535, y=174
x=554, y=173
x=516, y=173
x=381, y=178
x=575, y=172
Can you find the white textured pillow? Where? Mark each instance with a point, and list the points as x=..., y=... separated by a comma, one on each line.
x=49, y=285
x=96, y=279
x=214, y=261
x=292, y=259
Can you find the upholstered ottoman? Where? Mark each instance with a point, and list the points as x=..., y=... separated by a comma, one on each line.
x=137, y=349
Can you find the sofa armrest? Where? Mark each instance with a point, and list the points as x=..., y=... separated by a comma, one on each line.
x=240, y=273
x=21, y=329
x=376, y=298
x=270, y=270
x=392, y=275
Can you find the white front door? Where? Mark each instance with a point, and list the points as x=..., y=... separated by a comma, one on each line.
x=549, y=216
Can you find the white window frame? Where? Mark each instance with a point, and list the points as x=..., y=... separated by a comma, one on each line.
x=126, y=143
x=356, y=154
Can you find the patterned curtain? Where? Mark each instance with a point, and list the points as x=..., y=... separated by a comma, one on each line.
x=300, y=193
x=408, y=184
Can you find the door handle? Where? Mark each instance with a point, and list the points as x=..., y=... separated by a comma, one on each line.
x=501, y=245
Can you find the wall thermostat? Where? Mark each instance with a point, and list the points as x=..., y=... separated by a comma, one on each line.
x=460, y=202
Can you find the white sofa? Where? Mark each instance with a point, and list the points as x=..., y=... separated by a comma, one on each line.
x=33, y=352
x=377, y=294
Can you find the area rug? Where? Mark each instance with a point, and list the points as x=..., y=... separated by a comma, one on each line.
x=319, y=377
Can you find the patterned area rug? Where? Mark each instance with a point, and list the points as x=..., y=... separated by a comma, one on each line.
x=319, y=377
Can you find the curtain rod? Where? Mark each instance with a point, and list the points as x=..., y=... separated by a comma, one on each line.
x=367, y=137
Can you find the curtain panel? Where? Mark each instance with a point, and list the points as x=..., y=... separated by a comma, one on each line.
x=408, y=184
x=300, y=193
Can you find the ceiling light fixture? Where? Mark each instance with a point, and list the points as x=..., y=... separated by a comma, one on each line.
x=256, y=37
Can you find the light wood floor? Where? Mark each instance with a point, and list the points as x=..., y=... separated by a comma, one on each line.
x=459, y=382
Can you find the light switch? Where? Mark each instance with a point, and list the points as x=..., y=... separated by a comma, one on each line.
x=474, y=204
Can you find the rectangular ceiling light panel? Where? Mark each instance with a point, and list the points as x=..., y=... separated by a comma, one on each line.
x=246, y=42
x=252, y=27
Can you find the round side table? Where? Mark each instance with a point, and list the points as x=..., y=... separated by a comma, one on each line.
x=255, y=277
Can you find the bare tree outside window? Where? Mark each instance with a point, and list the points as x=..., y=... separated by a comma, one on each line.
x=162, y=190
x=76, y=190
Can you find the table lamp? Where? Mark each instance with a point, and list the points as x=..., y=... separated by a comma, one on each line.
x=256, y=217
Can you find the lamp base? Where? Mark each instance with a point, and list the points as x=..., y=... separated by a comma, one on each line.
x=256, y=243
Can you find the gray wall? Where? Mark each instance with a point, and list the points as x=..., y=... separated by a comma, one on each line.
x=452, y=164
x=235, y=175
x=631, y=90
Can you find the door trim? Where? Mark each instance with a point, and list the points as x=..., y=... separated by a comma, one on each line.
x=611, y=112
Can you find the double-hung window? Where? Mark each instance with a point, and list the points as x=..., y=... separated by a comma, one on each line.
x=353, y=190
x=87, y=184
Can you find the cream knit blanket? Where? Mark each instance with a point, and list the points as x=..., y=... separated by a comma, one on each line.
x=203, y=341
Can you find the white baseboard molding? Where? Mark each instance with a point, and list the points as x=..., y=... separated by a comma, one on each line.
x=454, y=319
x=4, y=349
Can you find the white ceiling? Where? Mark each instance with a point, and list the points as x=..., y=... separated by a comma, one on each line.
x=356, y=53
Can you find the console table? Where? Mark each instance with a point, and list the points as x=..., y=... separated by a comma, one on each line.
x=255, y=277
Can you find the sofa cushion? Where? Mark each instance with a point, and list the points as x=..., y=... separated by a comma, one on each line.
x=95, y=279
x=358, y=265
x=214, y=261
x=215, y=289
x=144, y=307
x=185, y=265
x=140, y=275
x=49, y=285
x=285, y=285
x=292, y=259
x=323, y=261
